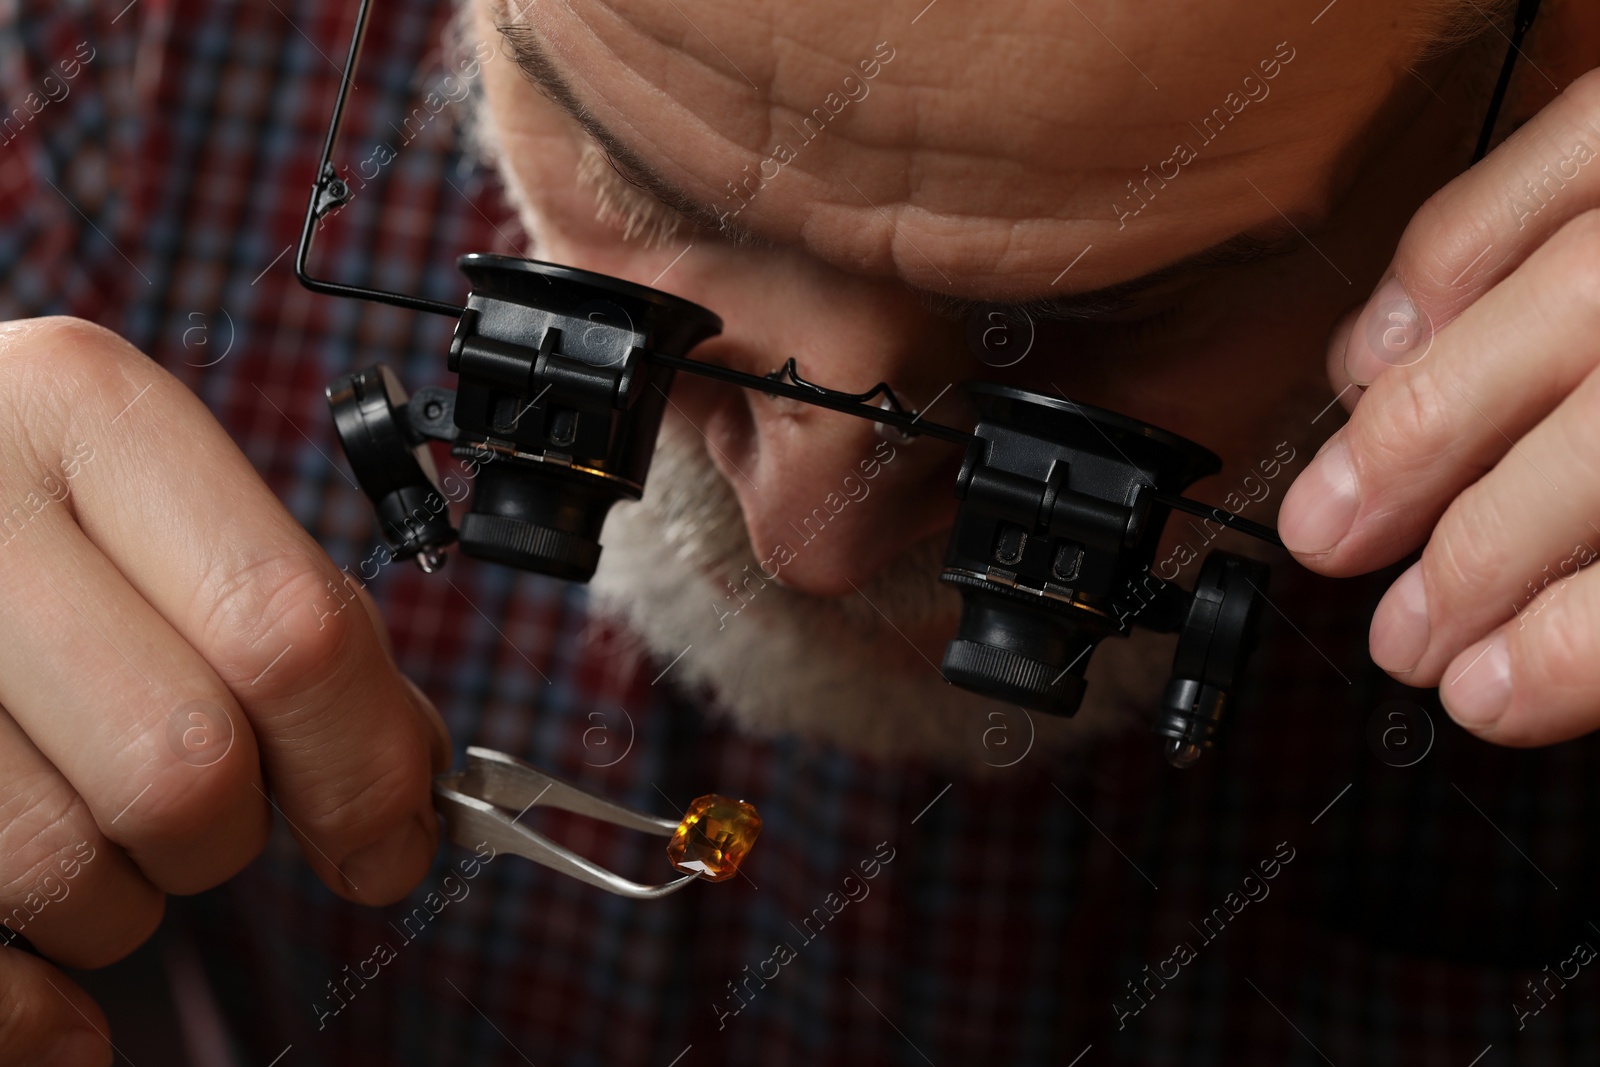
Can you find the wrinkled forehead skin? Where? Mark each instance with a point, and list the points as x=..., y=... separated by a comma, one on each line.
x=981, y=147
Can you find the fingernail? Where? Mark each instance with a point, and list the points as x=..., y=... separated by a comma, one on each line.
x=1321, y=505
x=377, y=868
x=1400, y=627
x=79, y=1048
x=1390, y=333
x=1480, y=692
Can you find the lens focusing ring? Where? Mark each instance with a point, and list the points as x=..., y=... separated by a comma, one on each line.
x=529, y=546
x=1005, y=675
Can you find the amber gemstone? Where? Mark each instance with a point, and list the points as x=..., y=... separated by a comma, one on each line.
x=714, y=837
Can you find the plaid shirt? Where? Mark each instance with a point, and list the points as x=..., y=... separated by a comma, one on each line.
x=1291, y=900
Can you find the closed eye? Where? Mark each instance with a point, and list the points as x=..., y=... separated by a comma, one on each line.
x=621, y=204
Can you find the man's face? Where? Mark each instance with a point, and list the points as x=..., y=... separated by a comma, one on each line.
x=1185, y=194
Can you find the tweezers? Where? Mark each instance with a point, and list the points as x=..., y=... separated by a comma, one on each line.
x=478, y=805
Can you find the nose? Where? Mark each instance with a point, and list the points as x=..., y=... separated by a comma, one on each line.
x=827, y=499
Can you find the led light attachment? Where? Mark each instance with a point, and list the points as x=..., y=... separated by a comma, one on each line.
x=557, y=406
x=1062, y=509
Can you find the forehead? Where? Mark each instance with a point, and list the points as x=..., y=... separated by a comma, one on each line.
x=995, y=143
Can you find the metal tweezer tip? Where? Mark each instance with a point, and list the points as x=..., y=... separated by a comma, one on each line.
x=484, y=802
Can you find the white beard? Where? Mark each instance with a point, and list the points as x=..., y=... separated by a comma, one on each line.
x=832, y=671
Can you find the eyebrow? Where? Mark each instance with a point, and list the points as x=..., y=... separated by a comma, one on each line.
x=1268, y=242
x=534, y=62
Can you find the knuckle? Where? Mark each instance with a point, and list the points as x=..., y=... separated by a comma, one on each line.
x=183, y=803
x=1409, y=418
x=1443, y=239
x=1557, y=655
x=50, y=857
x=36, y=842
x=1556, y=658
x=278, y=623
x=381, y=794
x=59, y=350
x=1464, y=555
x=22, y=338
x=61, y=381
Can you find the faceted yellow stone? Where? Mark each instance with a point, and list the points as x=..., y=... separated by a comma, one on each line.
x=714, y=837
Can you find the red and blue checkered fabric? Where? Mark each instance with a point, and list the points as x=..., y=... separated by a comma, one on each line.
x=1030, y=918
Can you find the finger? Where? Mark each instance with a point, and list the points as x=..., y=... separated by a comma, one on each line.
x=237, y=578
x=62, y=884
x=1527, y=521
x=1536, y=683
x=375, y=619
x=1422, y=433
x=433, y=723
x=45, y=1019
x=1478, y=229
x=105, y=688
x=1347, y=392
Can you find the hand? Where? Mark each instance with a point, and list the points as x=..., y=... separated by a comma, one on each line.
x=174, y=649
x=1478, y=435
